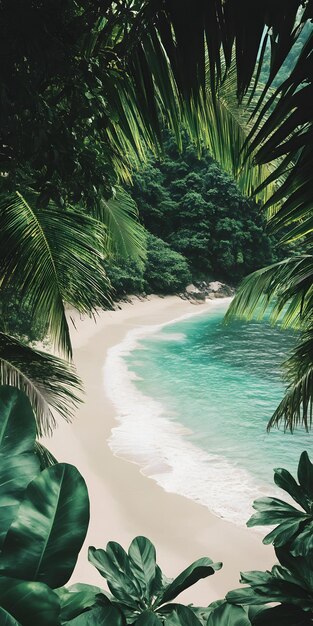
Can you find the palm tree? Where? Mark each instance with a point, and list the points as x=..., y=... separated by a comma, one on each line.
x=53, y=257
x=96, y=84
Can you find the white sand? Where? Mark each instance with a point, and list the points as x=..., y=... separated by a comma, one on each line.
x=124, y=503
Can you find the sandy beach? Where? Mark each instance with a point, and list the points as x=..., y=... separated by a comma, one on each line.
x=124, y=503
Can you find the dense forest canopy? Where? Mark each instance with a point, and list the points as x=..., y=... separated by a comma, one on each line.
x=198, y=210
x=194, y=206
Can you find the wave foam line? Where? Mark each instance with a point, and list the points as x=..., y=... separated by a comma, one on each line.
x=145, y=435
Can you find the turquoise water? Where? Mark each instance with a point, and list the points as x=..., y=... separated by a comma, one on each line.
x=222, y=383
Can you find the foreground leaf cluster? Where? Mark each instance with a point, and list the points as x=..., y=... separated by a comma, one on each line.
x=44, y=520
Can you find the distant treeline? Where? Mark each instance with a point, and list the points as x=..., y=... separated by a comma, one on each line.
x=199, y=226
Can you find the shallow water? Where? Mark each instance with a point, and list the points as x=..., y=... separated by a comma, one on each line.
x=196, y=398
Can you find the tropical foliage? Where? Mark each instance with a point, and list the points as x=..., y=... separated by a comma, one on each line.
x=295, y=527
x=280, y=129
x=50, y=383
x=199, y=211
x=44, y=519
x=140, y=592
x=289, y=583
x=88, y=86
x=163, y=271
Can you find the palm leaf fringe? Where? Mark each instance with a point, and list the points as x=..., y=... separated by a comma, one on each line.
x=285, y=288
x=296, y=408
x=53, y=256
x=126, y=235
x=46, y=458
x=50, y=383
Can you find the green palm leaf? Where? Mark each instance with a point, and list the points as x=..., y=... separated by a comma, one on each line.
x=45, y=457
x=50, y=383
x=286, y=290
x=285, y=287
x=228, y=126
x=297, y=405
x=126, y=236
x=53, y=256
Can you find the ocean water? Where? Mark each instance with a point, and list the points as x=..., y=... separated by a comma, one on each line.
x=193, y=398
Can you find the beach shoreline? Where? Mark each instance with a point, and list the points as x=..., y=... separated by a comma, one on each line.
x=125, y=502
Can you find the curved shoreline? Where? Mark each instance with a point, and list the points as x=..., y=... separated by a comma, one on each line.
x=124, y=502
x=163, y=452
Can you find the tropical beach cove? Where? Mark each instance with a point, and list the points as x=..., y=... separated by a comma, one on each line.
x=124, y=502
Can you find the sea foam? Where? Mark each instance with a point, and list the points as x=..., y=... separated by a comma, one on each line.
x=148, y=435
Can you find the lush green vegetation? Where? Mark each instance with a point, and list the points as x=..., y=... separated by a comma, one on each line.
x=198, y=209
x=162, y=271
x=86, y=89
x=44, y=520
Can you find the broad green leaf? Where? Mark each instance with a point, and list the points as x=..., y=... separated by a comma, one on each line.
x=18, y=464
x=255, y=577
x=17, y=422
x=148, y=618
x=247, y=595
x=120, y=584
x=228, y=615
x=75, y=602
x=294, y=526
x=44, y=540
x=284, y=533
x=118, y=556
x=279, y=586
x=99, y=616
x=301, y=567
x=199, y=569
x=111, y=616
x=31, y=603
x=305, y=475
x=273, y=511
x=6, y=619
x=182, y=616
x=283, y=615
x=158, y=582
x=143, y=557
x=284, y=480
x=303, y=543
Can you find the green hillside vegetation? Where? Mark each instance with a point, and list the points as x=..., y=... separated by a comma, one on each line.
x=199, y=225
x=163, y=271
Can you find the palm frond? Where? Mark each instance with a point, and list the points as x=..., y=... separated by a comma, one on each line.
x=126, y=235
x=46, y=458
x=53, y=256
x=296, y=408
x=50, y=383
x=228, y=126
x=284, y=288
x=183, y=71
x=285, y=132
